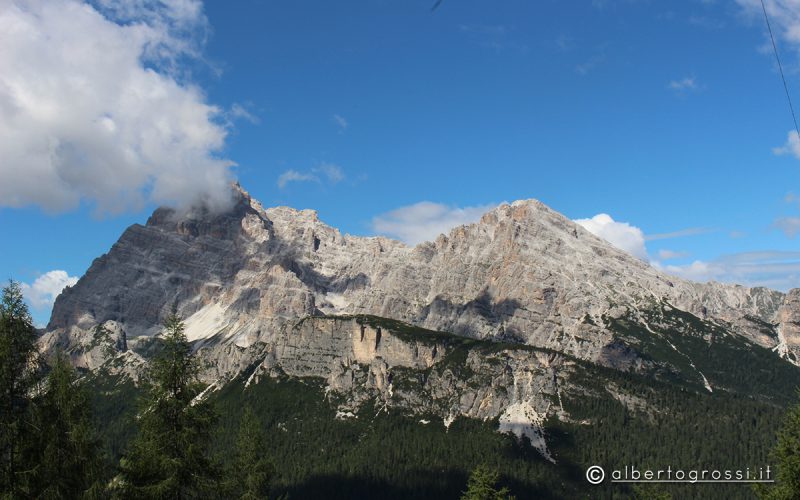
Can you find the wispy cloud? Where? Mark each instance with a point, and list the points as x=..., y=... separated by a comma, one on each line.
x=773, y=269
x=790, y=226
x=792, y=146
x=692, y=231
x=564, y=43
x=295, y=176
x=325, y=172
x=333, y=173
x=341, y=123
x=784, y=16
x=688, y=83
x=241, y=112
x=590, y=64
x=424, y=221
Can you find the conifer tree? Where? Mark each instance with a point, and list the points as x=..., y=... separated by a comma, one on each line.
x=482, y=485
x=19, y=375
x=786, y=456
x=252, y=468
x=69, y=463
x=169, y=458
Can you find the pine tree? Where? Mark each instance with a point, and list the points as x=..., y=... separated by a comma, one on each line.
x=252, y=469
x=482, y=485
x=19, y=375
x=169, y=458
x=786, y=456
x=69, y=458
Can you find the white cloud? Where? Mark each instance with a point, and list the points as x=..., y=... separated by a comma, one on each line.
x=784, y=16
x=332, y=172
x=295, y=176
x=340, y=122
x=789, y=225
x=45, y=289
x=792, y=146
x=424, y=221
x=240, y=112
x=94, y=106
x=329, y=172
x=778, y=270
x=620, y=234
x=687, y=83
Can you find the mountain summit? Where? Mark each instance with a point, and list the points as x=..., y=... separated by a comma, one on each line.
x=278, y=289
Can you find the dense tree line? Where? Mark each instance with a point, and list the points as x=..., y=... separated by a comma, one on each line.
x=176, y=442
x=49, y=445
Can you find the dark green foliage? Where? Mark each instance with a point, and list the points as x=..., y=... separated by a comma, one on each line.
x=482, y=485
x=786, y=457
x=650, y=492
x=69, y=464
x=376, y=454
x=678, y=428
x=169, y=457
x=684, y=346
x=113, y=403
x=19, y=375
x=616, y=419
x=252, y=467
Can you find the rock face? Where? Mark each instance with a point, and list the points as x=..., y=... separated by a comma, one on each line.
x=523, y=275
x=788, y=320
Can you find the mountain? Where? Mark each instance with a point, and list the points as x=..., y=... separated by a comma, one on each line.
x=511, y=320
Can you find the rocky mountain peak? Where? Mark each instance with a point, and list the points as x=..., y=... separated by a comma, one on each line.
x=523, y=273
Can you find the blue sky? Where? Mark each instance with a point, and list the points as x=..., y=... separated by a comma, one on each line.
x=667, y=116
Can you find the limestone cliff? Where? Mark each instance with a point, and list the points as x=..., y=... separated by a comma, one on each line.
x=247, y=280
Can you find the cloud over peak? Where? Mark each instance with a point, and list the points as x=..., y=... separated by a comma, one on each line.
x=112, y=123
x=620, y=234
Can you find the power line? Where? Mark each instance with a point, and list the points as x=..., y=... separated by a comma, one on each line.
x=780, y=68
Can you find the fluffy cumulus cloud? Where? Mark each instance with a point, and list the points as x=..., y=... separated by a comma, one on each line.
x=44, y=290
x=94, y=106
x=424, y=221
x=620, y=234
